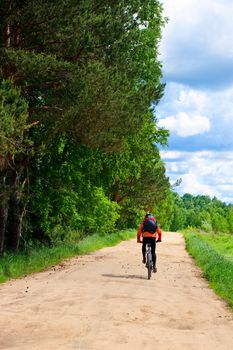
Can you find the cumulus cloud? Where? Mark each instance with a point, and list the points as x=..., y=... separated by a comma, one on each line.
x=205, y=172
x=180, y=100
x=192, y=184
x=195, y=46
x=185, y=125
x=197, y=106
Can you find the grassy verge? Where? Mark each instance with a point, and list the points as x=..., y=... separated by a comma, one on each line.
x=222, y=243
x=217, y=267
x=14, y=266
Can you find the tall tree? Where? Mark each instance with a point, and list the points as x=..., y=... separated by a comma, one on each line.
x=87, y=69
x=14, y=153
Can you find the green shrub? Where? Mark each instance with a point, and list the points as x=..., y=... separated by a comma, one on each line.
x=101, y=214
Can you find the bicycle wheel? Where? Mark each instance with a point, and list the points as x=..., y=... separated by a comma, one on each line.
x=148, y=258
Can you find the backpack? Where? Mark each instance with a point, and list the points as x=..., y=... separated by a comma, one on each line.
x=149, y=224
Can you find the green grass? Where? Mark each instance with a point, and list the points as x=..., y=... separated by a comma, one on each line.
x=222, y=243
x=39, y=259
x=214, y=260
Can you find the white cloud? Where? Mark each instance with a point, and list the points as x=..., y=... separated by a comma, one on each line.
x=196, y=39
x=197, y=106
x=180, y=100
x=204, y=173
x=191, y=184
x=185, y=125
x=192, y=99
x=202, y=22
x=170, y=154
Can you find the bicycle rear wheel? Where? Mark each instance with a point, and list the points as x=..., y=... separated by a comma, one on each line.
x=148, y=266
x=149, y=273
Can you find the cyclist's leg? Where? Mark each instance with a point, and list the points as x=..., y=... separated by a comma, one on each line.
x=153, y=247
x=144, y=242
x=144, y=250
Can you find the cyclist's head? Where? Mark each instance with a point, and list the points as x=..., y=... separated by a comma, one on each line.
x=148, y=214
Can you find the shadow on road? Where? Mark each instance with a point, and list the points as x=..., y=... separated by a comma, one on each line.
x=124, y=276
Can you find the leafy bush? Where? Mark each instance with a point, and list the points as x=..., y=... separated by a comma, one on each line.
x=100, y=214
x=66, y=215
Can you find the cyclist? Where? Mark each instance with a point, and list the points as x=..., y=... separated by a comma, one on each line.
x=148, y=230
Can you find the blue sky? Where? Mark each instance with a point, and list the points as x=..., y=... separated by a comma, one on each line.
x=197, y=56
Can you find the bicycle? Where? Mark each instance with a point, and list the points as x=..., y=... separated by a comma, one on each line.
x=149, y=261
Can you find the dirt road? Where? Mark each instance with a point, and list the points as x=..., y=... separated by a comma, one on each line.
x=104, y=301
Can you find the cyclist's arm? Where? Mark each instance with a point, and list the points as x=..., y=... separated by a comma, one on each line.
x=159, y=234
x=139, y=234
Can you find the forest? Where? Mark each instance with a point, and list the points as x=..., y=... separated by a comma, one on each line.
x=79, y=84
x=79, y=140
x=203, y=212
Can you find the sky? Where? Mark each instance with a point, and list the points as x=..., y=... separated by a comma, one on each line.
x=196, y=52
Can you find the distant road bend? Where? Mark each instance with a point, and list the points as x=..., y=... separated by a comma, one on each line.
x=104, y=301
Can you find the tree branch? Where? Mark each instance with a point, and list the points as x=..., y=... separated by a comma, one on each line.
x=46, y=108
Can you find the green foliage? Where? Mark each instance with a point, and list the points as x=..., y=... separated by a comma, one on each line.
x=136, y=177
x=202, y=212
x=93, y=178
x=101, y=213
x=69, y=197
x=13, y=119
x=62, y=211
x=89, y=75
x=92, y=65
x=164, y=211
x=218, y=269
x=178, y=220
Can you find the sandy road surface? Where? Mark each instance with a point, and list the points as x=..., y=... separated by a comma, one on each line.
x=104, y=301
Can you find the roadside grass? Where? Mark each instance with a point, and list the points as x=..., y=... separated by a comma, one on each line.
x=217, y=267
x=39, y=259
x=223, y=243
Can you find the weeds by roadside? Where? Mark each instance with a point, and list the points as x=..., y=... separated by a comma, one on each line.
x=38, y=259
x=217, y=268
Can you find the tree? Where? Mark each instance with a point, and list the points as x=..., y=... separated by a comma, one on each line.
x=136, y=176
x=164, y=210
x=89, y=65
x=14, y=152
x=88, y=71
x=202, y=212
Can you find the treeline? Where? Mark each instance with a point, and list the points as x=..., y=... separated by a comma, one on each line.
x=79, y=81
x=203, y=212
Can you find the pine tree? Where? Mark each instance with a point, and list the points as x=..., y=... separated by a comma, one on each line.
x=88, y=71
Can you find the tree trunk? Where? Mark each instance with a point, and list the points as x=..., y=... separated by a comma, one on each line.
x=11, y=38
x=11, y=215
x=14, y=227
x=3, y=203
x=18, y=200
x=14, y=223
x=116, y=196
x=3, y=221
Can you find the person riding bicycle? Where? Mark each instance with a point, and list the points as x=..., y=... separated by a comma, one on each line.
x=148, y=230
